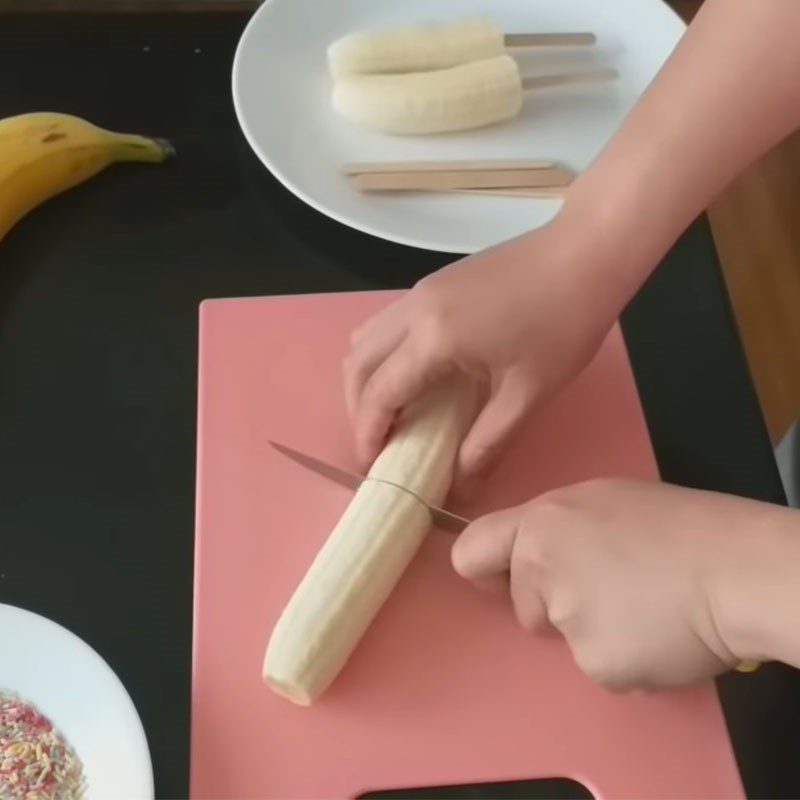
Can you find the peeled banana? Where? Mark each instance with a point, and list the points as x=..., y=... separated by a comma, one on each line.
x=457, y=98
x=44, y=154
x=364, y=557
x=416, y=48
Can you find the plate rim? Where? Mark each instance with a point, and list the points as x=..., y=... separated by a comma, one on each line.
x=331, y=213
x=62, y=630
x=290, y=186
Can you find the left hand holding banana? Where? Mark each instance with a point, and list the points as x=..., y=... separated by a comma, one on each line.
x=44, y=154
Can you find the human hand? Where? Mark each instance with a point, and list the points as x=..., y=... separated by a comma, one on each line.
x=648, y=583
x=522, y=318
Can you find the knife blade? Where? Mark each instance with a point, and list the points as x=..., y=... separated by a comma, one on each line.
x=443, y=519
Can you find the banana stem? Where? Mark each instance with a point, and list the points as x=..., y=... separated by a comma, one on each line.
x=130, y=147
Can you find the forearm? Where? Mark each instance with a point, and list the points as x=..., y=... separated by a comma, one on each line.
x=729, y=92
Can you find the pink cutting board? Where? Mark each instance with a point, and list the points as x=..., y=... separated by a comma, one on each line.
x=444, y=688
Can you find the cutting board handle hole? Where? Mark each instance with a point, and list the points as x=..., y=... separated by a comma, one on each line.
x=538, y=789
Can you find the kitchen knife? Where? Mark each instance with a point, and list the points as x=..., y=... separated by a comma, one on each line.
x=442, y=519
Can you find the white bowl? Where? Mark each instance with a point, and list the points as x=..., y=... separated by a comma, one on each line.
x=69, y=683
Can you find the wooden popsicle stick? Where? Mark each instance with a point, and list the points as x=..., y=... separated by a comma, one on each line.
x=494, y=179
x=363, y=168
x=541, y=192
x=569, y=79
x=512, y=191
x=549, y=39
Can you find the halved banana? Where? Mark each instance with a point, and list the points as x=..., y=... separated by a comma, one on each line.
x=458, y=98
x=416, y=48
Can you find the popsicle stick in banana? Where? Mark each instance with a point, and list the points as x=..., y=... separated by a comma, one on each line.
x=458, y=98
x=416, y=48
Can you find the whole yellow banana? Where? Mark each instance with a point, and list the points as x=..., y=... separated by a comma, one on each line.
x=44, y=154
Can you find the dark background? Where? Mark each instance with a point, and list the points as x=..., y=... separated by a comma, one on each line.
x=99, y=294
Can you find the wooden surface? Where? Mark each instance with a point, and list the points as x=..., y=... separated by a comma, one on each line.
x=754, y=224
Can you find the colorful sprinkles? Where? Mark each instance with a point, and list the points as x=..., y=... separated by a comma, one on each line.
x=35, y=762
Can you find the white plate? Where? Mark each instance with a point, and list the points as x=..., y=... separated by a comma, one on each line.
x=281, y=94
x=67, y=681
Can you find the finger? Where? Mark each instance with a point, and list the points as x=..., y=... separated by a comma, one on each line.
x=366, y=355
x=465, y=487
x=388, y=316
x=494, y=426
x=483, y=550
x=370, y=343
x=528, y=601
x=397, y=381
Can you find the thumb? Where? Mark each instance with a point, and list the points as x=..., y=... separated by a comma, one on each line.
x=397, y=381
x=483, y=550
x=483, y=555
x=508, y=403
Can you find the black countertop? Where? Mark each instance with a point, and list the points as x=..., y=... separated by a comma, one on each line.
x=99, y=293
